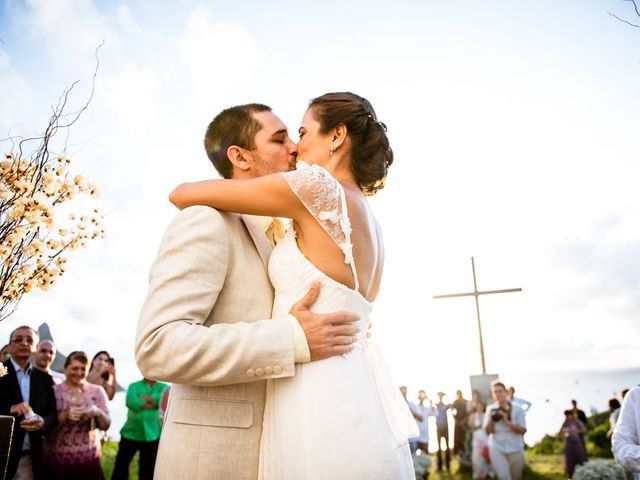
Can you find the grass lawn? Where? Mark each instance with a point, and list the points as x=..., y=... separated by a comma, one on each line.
x=109, y=450
x=539, y=467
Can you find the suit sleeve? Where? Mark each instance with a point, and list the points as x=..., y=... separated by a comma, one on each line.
x=172, y=344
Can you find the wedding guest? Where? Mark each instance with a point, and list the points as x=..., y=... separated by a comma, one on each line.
x=425, y=411
x=614, y=413
x=26, y=394
x=103, y=372
x=442, y=429
x=72, y=451
x=575, y=452
x=5, y=353
x=505, y=424
x=413, y=442
x=43, y=359
x=141, y=431
x=480, y=460
x=579, y=414
x=521, y=402
x=626, y=435
x=460, y=408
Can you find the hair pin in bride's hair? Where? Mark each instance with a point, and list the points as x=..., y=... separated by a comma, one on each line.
x=382, y=126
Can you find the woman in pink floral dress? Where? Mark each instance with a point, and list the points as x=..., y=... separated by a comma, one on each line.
x=72, y=450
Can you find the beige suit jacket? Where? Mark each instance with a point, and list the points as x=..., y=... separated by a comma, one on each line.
x=205, y=326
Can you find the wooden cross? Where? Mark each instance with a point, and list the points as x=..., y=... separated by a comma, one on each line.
x=476, y=294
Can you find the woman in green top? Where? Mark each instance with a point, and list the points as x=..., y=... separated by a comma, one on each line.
x=141, y=431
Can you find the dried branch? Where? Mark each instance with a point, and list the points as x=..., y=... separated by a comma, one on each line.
x=34, y=191
x=635, y=7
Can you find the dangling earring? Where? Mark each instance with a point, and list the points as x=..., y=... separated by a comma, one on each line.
x=331, y=150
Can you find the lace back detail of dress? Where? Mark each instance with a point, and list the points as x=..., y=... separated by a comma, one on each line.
x=323, y=196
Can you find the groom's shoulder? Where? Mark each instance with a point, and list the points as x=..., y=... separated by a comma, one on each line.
x=200, y=219
x=203, y=213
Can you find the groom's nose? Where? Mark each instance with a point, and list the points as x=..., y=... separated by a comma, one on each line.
x=293, y=148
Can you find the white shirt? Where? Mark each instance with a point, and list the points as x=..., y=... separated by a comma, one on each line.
x=413, y=408
x=58, y=377
x=423, y=425
x=522, y=403
x=503, y=438
x=626, y=436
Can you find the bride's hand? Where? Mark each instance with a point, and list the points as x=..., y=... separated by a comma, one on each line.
x=328, y=334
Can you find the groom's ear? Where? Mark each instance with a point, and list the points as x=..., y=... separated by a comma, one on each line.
x=236, y=156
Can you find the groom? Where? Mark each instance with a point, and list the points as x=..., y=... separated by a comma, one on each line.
x=205, y=324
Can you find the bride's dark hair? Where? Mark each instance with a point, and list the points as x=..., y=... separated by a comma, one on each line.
x=371, y=154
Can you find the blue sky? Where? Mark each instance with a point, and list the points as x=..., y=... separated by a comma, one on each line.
x=514, y=126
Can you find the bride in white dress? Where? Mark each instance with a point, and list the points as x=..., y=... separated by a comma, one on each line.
x=341, y=418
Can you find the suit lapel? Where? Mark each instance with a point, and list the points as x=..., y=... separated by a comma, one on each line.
x=12, y=379
x=259, y=238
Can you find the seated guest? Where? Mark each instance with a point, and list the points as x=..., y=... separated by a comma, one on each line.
x=27, y=395
x=72, y=451
x=141, y=431
x=103, y=373
x=43, y=359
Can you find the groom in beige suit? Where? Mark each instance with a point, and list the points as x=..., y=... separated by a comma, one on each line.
x=205, y=325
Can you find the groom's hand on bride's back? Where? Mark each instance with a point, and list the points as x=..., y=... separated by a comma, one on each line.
x=328, y=334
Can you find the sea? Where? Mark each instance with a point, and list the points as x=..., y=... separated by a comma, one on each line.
x=549, y=392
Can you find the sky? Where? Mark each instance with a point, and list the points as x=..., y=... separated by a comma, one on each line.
x=514, y=127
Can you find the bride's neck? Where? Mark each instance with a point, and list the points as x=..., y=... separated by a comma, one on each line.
x=339, y=166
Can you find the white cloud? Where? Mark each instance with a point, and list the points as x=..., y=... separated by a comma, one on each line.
x=131, y=95
x=221, y=57
x=17, y=97
x=71, y=30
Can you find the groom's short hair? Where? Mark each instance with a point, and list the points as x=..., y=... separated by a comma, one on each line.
x=233, y=126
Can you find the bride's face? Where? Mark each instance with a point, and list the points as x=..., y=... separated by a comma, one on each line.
x=313, y=147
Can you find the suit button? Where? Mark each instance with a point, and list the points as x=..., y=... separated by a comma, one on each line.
x=268, y=370
x=277, y=369
x=251, y=373
x=259, y=372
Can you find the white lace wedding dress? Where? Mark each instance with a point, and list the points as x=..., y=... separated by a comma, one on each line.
x=341, y=418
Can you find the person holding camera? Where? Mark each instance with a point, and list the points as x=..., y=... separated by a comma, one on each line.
x=103, y=372
x=505, y=424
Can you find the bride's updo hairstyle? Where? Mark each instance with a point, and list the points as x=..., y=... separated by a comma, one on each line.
x=371, y=154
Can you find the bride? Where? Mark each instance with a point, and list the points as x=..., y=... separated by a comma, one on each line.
x=342, y=417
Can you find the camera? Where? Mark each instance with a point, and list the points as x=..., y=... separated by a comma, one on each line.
x=107, y=375
x=496, y=414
